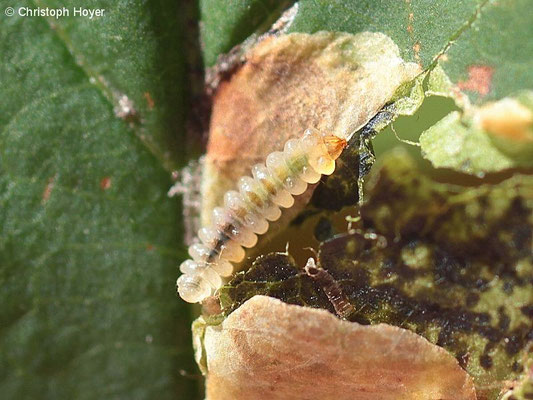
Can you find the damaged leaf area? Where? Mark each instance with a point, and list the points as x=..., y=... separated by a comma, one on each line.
x=313, y=353
x=449, y=263
x=522, y=389
x=459, y=37
x=334, y=82
x=490, y=138
x=453, y=43
x=452, y=264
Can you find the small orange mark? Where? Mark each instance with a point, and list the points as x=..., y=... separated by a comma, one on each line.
x=410, y=28
x=149, y=100
x=416, y=49
x=479, y=79
x=443, y=57
x=48, y=190
x=149, y=247
x=105, y=183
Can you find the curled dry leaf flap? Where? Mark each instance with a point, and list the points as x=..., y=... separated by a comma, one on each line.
x=334, y=82
x=267, y=349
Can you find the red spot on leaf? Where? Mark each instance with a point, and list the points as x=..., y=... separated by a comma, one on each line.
x=416, y=49
x=410, y=28
x=149, y=100
x=150, y=247
x=48, y=190
x=479, y=79
x=105, y=183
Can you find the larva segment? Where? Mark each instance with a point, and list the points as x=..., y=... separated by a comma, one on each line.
x=272, y=185
x=246, y=212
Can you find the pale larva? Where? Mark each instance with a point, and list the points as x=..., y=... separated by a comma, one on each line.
x=246, y=212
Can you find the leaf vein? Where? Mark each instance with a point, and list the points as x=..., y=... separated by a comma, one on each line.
x=111, y=94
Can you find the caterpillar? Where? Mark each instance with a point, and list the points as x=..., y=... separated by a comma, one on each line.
x=247, y=212
x=331, y=287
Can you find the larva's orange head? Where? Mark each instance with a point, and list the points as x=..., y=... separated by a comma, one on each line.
x=322, y=150
x=335, y=145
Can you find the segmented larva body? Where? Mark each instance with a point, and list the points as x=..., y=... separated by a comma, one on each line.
x=246, y=212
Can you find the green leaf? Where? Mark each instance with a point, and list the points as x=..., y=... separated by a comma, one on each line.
x=89, y=240
x=226, y=23
x=452, y=144
x=134, y=55
x=430, y=24
x=492, y=138
x=496, y=45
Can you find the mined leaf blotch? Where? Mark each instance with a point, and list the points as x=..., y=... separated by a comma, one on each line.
x=334, y=82
x=270, y=350
x=449, y=263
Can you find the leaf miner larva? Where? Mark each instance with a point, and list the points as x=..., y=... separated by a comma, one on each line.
x=246, y=212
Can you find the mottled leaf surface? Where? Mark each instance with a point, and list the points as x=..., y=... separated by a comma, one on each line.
x=453, y=264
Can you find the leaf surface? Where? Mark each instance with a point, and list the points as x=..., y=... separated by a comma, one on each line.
x=89, y=241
